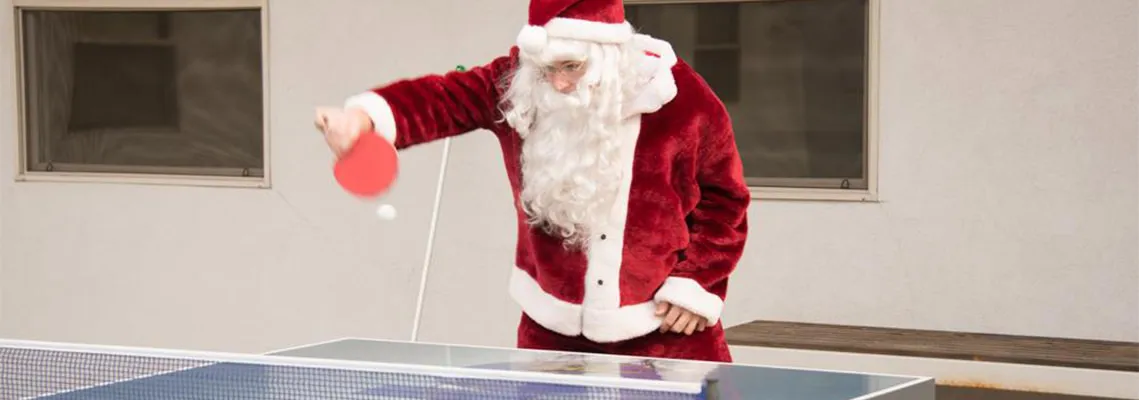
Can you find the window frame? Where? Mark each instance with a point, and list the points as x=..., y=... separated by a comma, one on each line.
x=809, y=188
x=156, y=175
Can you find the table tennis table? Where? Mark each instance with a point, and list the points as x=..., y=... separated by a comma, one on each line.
x=353, y=368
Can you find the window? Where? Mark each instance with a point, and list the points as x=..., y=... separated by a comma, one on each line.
x=156, y=90
x=796, y=77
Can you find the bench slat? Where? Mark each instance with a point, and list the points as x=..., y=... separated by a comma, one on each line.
x=1059, y=352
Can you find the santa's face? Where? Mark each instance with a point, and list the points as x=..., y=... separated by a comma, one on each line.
x=564, y=75
x=566, y=105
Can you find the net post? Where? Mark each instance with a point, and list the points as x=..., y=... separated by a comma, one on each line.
x=712, y=389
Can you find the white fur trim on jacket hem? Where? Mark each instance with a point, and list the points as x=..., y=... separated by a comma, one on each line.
x=632, y=321
x=551, y=312
x=689, y=294
x=379, y=110
x=563, y=317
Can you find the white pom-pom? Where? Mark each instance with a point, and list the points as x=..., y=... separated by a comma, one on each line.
x=532, y=39
x=386, y=212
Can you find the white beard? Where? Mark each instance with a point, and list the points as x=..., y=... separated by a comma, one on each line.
x=571, y=170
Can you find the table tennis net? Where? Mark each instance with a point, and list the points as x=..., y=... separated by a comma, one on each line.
x=53, y=371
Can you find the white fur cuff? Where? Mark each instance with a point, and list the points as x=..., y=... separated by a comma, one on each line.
x=689, y=294
x=379, y=110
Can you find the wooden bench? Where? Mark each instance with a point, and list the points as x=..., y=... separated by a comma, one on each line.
x=1074, y=353
x=1037, y=351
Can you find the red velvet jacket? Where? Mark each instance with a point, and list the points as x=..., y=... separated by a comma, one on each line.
x=680, y=223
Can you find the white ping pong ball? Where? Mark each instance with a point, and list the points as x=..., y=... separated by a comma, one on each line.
x=386, y=212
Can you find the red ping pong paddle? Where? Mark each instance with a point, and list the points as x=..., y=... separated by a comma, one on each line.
x=369, y=167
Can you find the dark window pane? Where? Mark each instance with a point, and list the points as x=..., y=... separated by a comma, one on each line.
x=721, y=69
x=172, y=92
x=718, y=23
x=793, y=75
x=138, y=77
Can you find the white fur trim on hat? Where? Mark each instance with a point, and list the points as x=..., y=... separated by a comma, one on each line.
x=589, y=30
x=532, y=39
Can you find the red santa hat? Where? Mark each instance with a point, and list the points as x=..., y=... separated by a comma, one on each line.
x=598, y=21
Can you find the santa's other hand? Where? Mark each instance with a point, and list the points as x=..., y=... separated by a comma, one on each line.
x=679, y=320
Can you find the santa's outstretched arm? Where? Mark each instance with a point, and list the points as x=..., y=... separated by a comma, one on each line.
x=717, y=227
x=415, y=111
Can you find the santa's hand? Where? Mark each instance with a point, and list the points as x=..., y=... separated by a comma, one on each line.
x=341, y=128
x=679, y=320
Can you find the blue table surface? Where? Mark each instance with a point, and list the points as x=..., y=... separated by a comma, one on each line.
x=251, y=381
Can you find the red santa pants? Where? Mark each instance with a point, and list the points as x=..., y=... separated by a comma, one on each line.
x=708, y=345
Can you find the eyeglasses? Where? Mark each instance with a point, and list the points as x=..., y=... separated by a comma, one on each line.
x=567, y=67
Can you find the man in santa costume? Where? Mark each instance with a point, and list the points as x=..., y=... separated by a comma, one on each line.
x=629, y=190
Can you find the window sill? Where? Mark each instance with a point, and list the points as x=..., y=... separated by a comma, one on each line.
x=810, y=194
x=146, y=179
